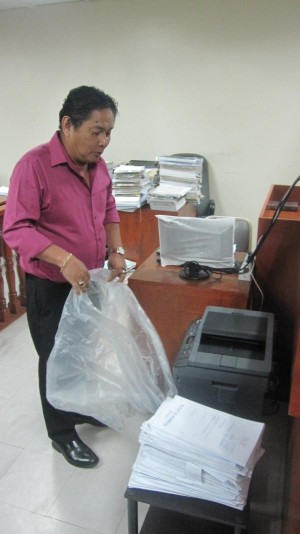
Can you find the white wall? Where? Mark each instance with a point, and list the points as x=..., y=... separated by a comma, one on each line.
x=219, y=77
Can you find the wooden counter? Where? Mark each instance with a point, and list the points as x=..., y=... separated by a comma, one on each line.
x=172, y=303
x=277, y=272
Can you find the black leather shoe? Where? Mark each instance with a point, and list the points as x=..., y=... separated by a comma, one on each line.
x=81, y=419
x=77, y=453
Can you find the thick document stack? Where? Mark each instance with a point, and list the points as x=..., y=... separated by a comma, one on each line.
x=167, y=197
x=192, y=450
x=131, y=184
x=182, y=171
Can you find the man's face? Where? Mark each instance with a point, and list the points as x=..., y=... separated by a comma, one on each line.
x=86, y=143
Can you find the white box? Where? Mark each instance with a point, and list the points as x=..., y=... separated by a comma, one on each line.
x=210, y=242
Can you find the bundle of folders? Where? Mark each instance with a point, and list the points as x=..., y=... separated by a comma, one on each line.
x=195, y=451
x=184, y=171
x=131, y=184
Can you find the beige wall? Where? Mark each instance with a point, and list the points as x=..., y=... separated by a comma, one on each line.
x=219, y=77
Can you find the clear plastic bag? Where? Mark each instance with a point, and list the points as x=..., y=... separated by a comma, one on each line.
x=108, y=360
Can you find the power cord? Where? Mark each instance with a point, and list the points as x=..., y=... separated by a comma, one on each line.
x=193, y=270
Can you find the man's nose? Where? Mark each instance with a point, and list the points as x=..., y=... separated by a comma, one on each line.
x=104, y=139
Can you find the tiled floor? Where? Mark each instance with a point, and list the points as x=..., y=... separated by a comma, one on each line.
x=40, y=493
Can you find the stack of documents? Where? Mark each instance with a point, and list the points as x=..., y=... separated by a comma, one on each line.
x=167, y=197
x=183, y=171
x=192, y=450
x=130, y=186
x=130, y=265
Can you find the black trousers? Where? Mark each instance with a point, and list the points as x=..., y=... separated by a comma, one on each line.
x=45, y=301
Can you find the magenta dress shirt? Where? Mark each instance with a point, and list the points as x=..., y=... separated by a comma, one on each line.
x=49, y=203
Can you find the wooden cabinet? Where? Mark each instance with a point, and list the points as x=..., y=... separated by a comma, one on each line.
x=139, y=230
x=172, y=303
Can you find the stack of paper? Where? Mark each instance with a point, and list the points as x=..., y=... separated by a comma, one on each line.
x=192, y=450
x=167, y=197
x=130, y=186
x=130, y=265
x=182, y=171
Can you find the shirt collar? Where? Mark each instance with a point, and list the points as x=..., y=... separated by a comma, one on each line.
x=58, y=153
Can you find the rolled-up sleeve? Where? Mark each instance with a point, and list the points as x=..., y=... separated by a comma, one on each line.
x=111, y=213
x=22, y=212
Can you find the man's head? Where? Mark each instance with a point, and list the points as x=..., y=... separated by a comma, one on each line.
x=86, y=121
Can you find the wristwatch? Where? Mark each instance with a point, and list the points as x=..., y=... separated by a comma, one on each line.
x=118, y=250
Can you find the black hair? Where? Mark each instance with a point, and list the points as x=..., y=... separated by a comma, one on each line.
x=82, y=101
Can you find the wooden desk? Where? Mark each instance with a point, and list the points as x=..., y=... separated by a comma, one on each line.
x=172, y=303
x=139, y=230
x=14, y=306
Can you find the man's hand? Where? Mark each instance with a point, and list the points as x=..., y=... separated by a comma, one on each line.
x=117, y=266
x=77, y=274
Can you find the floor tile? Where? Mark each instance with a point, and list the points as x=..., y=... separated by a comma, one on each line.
x=34, y=481
x=17, y=425
x=15, y=520
x=51, y=526
x=142, y=512
x=12, y=379
x=8, y=454
x=92, y=499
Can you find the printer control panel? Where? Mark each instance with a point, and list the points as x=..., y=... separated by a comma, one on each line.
x=188, y=342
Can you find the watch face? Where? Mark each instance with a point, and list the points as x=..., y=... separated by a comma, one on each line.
x=120, y=250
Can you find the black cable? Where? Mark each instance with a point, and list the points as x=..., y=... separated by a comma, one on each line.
x=192, y=270
x=273, y=220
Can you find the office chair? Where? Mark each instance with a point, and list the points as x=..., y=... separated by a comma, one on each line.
x=207, y=205
x=242, y=233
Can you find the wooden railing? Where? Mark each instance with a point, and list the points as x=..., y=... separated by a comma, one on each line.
x=12, y=299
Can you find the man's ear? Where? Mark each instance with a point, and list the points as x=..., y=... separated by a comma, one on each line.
x=66, y=125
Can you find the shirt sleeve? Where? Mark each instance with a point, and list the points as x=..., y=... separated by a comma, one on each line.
x=22, y=212
x=111, y=214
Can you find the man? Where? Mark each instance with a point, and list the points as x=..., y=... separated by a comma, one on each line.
x=61, y=219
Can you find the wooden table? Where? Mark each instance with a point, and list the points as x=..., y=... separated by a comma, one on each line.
x=172, y=303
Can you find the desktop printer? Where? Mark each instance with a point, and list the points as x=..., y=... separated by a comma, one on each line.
x=225, y=360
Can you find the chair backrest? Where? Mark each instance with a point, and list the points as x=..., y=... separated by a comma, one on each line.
x=206, y=206
x=242, y=233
